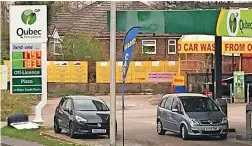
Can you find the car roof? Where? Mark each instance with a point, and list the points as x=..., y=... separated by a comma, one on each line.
x=84, y=97
x=185, y=95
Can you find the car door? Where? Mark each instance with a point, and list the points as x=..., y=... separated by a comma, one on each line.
x=175, y=116
x=167, y=113
x=59, y=111
x=66, y=115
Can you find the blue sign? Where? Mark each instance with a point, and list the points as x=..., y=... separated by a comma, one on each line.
x=128, y=48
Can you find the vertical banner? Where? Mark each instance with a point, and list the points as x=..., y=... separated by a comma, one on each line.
x=239, y=87
x=129, y=44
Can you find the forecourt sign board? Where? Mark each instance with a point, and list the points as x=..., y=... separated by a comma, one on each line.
x=28, y=24
x=28, y=34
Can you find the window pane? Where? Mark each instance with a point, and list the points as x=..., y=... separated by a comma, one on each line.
x=57, y=48
x=148, y=49
x=149, y=42
x=196, y=104
x=172, y=48
x=89, y=105
x=168, y=103
x=163, y=102
x=172, y=42
x=51, y=45
x=68, y=104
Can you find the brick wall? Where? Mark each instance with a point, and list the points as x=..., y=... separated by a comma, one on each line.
x=161, y=52
x=247, y=64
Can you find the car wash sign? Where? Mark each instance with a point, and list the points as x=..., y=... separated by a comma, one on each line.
x=28, y=24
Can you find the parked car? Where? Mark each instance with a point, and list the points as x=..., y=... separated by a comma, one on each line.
x=82, y=115
x=191, y=114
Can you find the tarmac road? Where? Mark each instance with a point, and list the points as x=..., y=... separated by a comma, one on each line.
x=140, y=126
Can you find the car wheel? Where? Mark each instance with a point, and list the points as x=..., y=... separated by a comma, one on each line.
x=56, y=126
x=160, y=129
x=71, y=130
x=223, y=136
x=184, y=132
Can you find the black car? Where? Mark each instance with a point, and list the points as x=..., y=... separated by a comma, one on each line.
x=82, y=115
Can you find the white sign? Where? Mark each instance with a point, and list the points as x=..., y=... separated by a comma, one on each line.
x=28, y=23
x=3, y=77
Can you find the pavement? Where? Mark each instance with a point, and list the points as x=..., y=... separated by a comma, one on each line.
x=140, y=125
x=7, y=141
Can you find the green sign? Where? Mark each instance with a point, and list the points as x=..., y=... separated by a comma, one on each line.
x=26, y=81
x=17, y=55
x=17, y=64
x=239, y=87
x=27, y=72
x=208, y=22
x=27, y=89
x=234, y=23
x=26, y=62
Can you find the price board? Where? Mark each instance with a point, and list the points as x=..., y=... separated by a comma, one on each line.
x=26, y=68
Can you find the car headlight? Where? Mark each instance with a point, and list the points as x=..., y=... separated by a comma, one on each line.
x=194, y=121
x=80, y=119
x=224, y=120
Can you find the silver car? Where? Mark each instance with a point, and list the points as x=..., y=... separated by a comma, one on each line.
x=190, y=114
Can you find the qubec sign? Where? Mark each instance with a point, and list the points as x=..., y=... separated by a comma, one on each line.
x=28, y=23
x=29, y=33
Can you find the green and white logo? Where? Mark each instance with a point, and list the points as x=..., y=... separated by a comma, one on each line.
x=232, y=23
x=233, y=18
x=29, y=17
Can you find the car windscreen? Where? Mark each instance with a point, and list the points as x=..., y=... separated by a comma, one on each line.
x=198, y=104
x=89, y=105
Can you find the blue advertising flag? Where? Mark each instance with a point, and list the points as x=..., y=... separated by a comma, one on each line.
x=128, y=48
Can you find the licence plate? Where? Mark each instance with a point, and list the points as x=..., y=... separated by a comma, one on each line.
x=211, y=128
x=98, y=130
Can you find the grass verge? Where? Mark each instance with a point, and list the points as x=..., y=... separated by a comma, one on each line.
x=16, y=104
x=35, y=136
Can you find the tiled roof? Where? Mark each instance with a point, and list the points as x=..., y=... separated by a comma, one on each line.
x=93, y=18
x=65, y=21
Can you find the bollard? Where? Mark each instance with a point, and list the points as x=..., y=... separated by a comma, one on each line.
x=248, y=121
x=231, y=93
x=248, y=135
